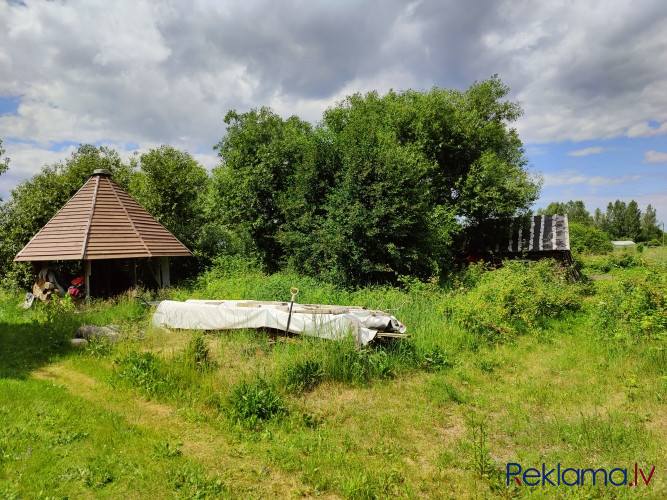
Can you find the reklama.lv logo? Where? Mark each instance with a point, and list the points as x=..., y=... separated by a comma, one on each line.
x=575, y=477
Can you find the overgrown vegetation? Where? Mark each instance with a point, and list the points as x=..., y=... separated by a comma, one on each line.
x=520, y=364
x=379, y=189
x=516, y=299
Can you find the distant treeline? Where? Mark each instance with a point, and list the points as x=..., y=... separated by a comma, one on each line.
x=620, y=221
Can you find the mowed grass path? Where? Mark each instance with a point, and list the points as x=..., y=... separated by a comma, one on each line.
x=70, y=427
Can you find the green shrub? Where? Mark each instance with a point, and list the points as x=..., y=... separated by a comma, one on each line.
x=436, y=358
x=143, y=371
x=515, y=299
x=588, y=240
x=254, y=401
x=635, y=306
x=197, y=352
x=626, y=260
x=303, y=376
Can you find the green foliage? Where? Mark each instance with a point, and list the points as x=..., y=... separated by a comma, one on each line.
x=459, y=408
x=143, y=371
x=4, y=162
x=575, y=210
x=190, y=481
x=437, y=358
x=197, y=352
x=254, y=401
x=260, y=155
x=589, y=240
x=379, y=188
x=442, y=392
x=614, y=261
x=173, y=187
x=633, y=308
x=166, y=449
x=303, y=376
x=515, y=299
x=621, y=220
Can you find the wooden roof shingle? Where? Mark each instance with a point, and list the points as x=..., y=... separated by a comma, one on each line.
x=101, y=221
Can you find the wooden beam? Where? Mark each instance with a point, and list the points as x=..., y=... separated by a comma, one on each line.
x=164, y=272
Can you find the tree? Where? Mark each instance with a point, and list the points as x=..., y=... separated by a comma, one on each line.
x=374, y=219
x=381, y=187
x=575, y=210
x=589, y=240
x=36, y=200
x=555, y=207
x=4, y=162
x=614, y=221
x=649, y=227
x=260, y=155
x=599, y=220
x=632, y=221
x=172, y=186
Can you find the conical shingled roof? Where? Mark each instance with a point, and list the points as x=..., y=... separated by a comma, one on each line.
x=102, y=221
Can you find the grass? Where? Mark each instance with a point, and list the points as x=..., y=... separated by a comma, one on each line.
x=233, y=415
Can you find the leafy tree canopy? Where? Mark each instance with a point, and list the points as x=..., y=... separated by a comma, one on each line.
x=172, y=186
x=380, y=187
x=575, y=210
x=4, y=162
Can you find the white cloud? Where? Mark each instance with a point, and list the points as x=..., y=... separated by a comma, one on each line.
x=647, y=130
x=571, y=178
x=588, y=151
x=154, y=72
x=655, y=157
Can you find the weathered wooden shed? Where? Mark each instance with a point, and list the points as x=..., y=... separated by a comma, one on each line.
x=529, y=238
x=102, y=222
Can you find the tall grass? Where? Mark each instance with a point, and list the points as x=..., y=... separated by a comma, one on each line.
x=517, y=364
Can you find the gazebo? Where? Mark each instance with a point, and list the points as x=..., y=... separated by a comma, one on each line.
x=103, y=222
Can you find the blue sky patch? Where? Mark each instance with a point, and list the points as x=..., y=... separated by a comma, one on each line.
x=9, y=105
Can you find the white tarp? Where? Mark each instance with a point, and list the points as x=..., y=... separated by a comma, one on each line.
x=331, y=322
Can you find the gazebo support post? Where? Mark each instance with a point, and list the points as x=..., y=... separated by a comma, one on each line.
x=86, y=273
x=164, y=272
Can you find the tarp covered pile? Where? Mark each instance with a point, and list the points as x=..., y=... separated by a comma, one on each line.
x=325, y=321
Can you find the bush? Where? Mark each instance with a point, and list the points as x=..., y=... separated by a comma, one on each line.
x=588, y=240
x=515, y=299
x=302, y=376
x=606, y=263
x=197, y=352
x=636, y=306
x=255, y=401
x=143, y=371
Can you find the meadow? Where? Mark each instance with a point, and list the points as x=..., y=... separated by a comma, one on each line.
x=520, y=365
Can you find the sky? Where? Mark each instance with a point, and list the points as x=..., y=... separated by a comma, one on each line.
x=134, y=74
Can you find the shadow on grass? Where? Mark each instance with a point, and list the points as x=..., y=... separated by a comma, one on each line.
x=24, y=347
